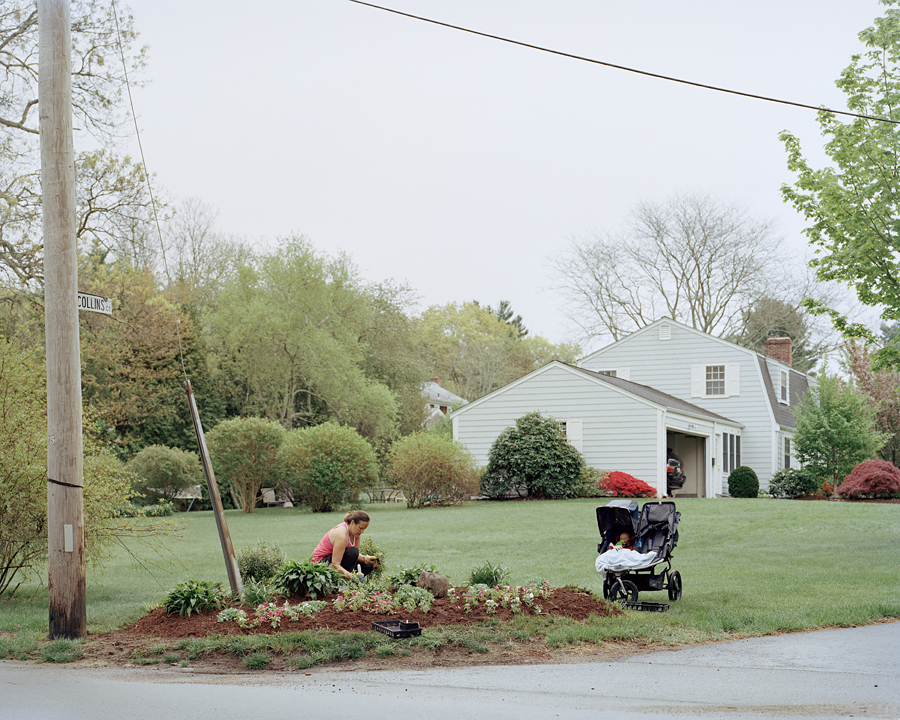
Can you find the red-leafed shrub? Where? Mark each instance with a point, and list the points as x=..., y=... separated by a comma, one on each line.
x=620, y=484
x=872, y=478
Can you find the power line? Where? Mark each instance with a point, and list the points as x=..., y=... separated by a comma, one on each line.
x=137, y=132
x=625, y=68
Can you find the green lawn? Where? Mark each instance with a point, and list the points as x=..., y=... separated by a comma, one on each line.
x=749, y=566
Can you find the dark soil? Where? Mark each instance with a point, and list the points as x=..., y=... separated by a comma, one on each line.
x=120, y=647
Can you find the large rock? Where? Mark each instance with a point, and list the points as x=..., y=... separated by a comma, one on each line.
x=435, y=583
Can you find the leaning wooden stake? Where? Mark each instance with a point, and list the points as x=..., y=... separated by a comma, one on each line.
x=234, y=575
x=65, y=480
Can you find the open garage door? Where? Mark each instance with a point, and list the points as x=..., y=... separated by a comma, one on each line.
x=692, y=451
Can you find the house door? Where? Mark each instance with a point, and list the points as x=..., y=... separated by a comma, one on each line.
x=692, y=451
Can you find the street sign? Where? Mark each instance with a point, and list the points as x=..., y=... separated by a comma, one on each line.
x=94, y=303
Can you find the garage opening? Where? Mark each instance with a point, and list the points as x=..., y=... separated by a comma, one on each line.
x=692, y=451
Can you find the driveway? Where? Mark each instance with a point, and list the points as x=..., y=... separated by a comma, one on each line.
x=825, y=674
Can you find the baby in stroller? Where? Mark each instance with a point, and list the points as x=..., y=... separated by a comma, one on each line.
x=636, y=549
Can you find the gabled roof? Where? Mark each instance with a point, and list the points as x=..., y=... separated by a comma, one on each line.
x=798, y=385
x=434, y=393
x=641, y=392
x=799, y=382
x=670, y=402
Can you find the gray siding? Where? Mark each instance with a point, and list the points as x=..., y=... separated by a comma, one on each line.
x=619, y=431
x=666, y=366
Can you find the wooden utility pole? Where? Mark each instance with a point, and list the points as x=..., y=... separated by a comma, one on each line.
x=65, y=479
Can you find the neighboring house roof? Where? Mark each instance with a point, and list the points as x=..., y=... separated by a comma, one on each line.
x=643, y=392
x=437, y=395
x=655, y=396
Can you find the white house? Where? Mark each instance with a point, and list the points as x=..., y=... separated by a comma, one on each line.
x=716, y=404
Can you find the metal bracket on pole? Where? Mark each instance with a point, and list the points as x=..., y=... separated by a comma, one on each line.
x=234, y=575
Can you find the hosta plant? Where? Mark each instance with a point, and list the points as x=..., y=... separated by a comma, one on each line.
x=307, y=578
x=193, y=596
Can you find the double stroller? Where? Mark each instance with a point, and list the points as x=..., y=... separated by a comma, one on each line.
x=654, y=528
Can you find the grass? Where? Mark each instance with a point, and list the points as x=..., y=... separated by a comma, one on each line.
x=750, y=567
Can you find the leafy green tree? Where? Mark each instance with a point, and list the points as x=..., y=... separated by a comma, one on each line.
x=533, y=454
x=327, y=465
x=162, y=472
x=244, y=453
x=854, y=202
x=474, y=352
x=287, y=325
x=432, y=470
x=835, y=430
x=23, y=477
x=504, y=313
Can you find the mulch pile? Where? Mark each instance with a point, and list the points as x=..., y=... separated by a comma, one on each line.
x=572, y=602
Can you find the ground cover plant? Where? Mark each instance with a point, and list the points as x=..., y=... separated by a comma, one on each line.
x=750, y=567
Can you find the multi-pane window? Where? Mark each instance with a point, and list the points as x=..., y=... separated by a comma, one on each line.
x=715, y=379
x=784, y=388
x=731, y=452
x=787, y=453
x=611, y=373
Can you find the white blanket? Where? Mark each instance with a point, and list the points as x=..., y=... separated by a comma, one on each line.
x=621, y=559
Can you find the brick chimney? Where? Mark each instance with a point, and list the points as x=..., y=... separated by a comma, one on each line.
x=779, y=348
x=436, y=381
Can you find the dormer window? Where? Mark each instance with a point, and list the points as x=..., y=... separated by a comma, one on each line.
x=784, y=387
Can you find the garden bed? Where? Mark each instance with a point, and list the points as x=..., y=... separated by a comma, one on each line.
x=571, y=602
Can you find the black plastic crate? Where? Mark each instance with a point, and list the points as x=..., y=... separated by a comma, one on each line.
x=647, y=606
x=397, y=628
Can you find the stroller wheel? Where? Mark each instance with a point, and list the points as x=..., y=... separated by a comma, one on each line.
x=623, y=590
x=674, y=585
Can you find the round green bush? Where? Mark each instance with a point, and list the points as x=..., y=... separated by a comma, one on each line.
x=260, y=561
x=432, y=470
x=535, y=455
x=244, y=453
x=743, y=483
x=326, y=465
x=792, y=483
x=162, y=472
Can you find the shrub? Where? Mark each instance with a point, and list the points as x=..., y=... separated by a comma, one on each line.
x=325, y=465
x=193, y=596
x=490, y=575
x=260, y=561
x=872, y=478
x=162, y=472
x=792, y=483
x=307, y=578
x=620, y=484
x=432, y=470
x=743, y=483
x=369, y=547
x=244, y=453
x=590, y=483
x=257, y=592
x=533, y=454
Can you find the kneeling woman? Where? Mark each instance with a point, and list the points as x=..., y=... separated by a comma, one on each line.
x=340, y=546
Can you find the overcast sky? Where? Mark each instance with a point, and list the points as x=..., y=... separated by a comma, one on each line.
x=459, y=164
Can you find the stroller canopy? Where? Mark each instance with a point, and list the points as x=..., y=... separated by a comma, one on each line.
x=618, y=516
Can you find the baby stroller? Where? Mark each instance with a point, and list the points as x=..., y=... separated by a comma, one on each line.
x=655, y=530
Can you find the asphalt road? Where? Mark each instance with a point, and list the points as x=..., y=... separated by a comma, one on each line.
x=825, y=674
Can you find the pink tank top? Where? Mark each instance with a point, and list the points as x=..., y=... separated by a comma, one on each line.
x=326, y=547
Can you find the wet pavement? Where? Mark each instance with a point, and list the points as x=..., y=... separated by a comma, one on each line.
x=852, y=672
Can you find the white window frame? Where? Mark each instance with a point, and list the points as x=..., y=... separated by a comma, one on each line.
x=573, y=432
x=620, y=372
x=784, y=387
x=732, y=380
